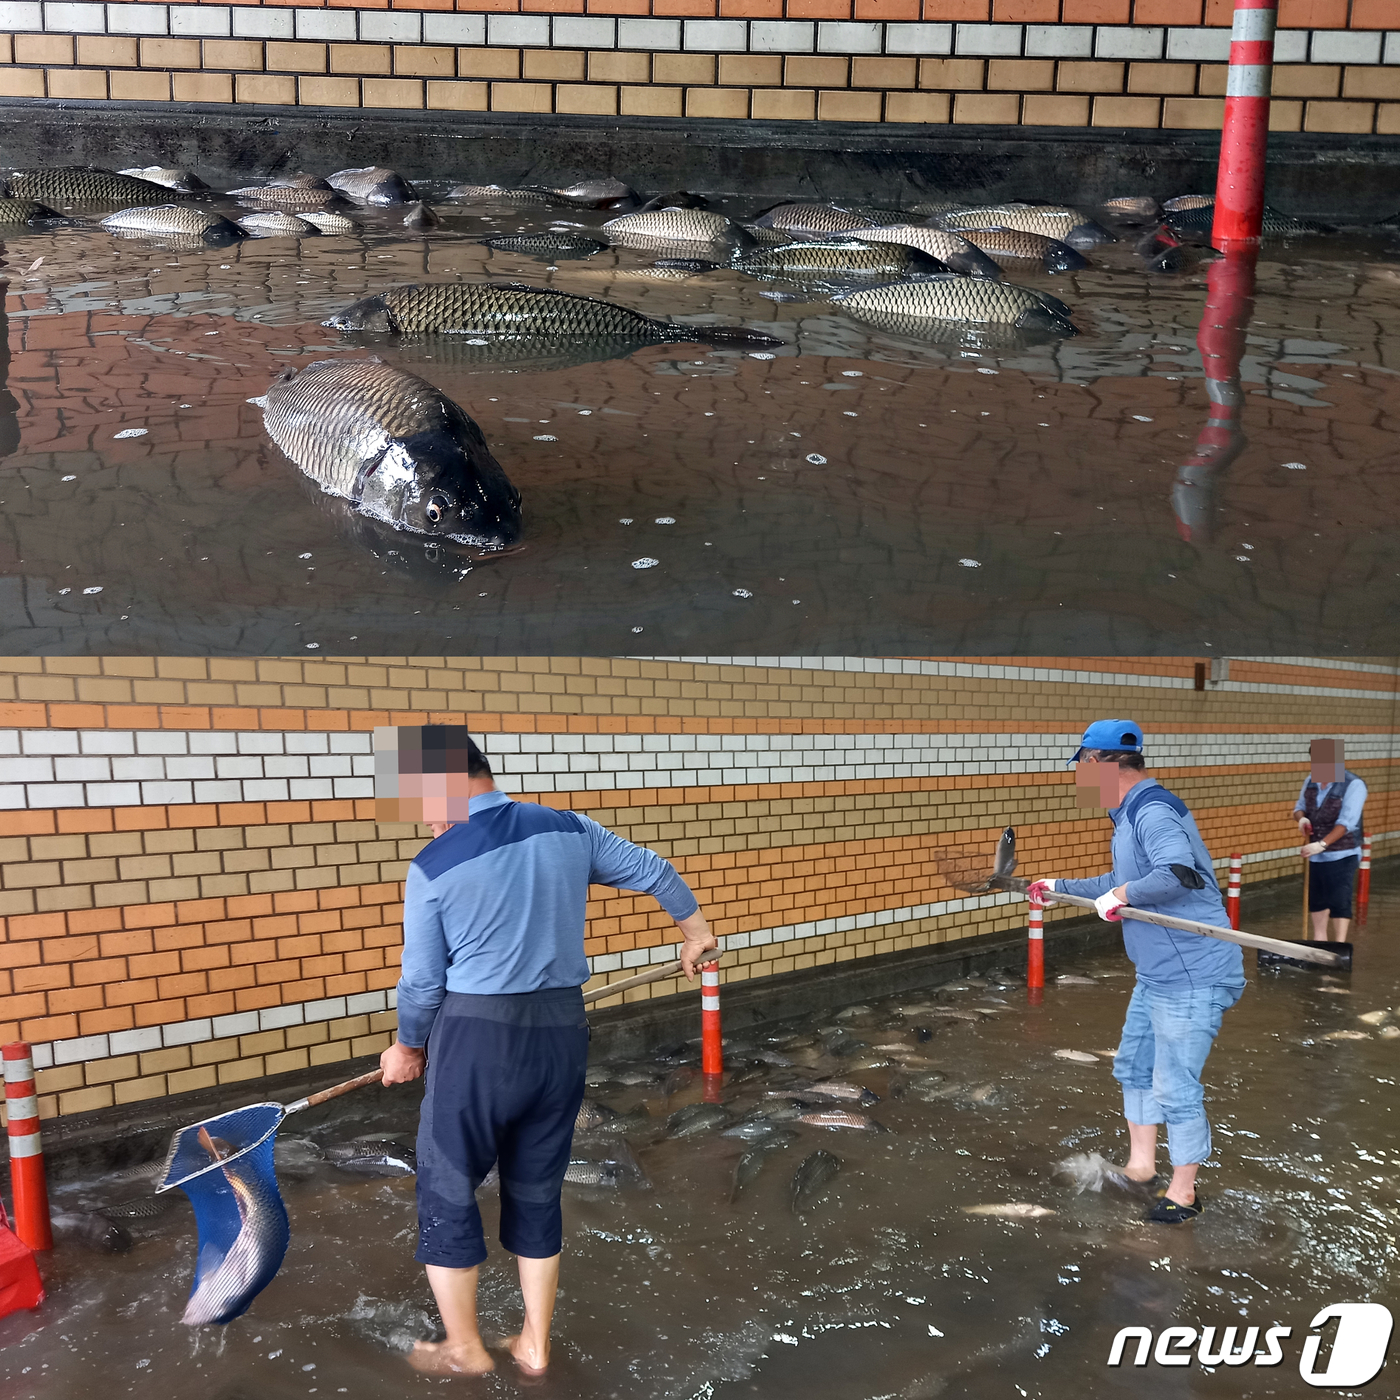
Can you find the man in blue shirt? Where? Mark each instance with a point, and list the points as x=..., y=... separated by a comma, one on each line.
x=1328, y=813
x=1185, y=982
x=490, y=1002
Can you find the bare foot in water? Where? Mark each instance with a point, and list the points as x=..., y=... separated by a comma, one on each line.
x=527, y=1355
x=451, y=1358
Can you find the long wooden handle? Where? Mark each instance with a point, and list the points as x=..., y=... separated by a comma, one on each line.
x=655, y=974
x=335, y=1091
x=1304, y=952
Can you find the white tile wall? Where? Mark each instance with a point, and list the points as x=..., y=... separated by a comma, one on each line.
x=261, y=23
x=591, y=32
x=326, y=24
x=1346, y=46
x=518, y=31
x=391, y=27
x=996, y=40
x=782, y=36
x=1198, y=45
x=919, y=38
x=841, y=37
x=454, y=29
x=1134, y=42
x=716, y=35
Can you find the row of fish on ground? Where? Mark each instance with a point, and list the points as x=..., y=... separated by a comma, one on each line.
x=397, y=453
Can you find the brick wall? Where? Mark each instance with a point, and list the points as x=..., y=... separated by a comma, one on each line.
x=1049, y=63
x=194, y=890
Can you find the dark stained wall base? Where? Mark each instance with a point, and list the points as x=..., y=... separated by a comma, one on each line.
x=1319, y=175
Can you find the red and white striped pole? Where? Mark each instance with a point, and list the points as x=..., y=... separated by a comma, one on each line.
x=31, y=1192
x=1232, y=895
x=711, y=1040
x=1244, y=140
x=1035, y=951
x=1363, y=886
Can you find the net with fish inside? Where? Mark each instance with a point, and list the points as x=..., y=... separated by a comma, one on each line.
x=224, y=1165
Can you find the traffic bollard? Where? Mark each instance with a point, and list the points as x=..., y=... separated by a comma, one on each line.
x=711, y=1040
x=27, y=1182
x=1035, y=951
x=1244, y=137
x=1363, y=885
x=1232, y=896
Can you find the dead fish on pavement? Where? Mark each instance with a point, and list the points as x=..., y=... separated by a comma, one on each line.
x=1080, y=1057
x=395, y=447
x=500, y=194
x=173, y=178
x=835, y=1118
x=419, y=215
x=1011, y=1210
x=1374, y=1018
x=810, y=1178
x=551, y=245
x=372, y=184
x=74, y=184
x=751, y=1163
x=292, y=198
x=272, y=223
x=327, y=222
x=953, y=1013
x=1071, y=226
x=773, y=1058
x=908, y=307
x=373, y=1156
x=755, y=1128
x=91, y=1230
x=1073, y=979
x=177, y=220
x=603, y=192
x=513, y=311
x=1388, y=1032
x=697, y=1118
x=669, y=226
x=14, y=212
x=1013, y=245
x=810, y=218
x=618, y=1167
x=831, y=1089
x=1346, y=1035
x=836, y=259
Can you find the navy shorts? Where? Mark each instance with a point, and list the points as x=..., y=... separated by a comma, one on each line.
x=505, y=1081
x=1330, y=883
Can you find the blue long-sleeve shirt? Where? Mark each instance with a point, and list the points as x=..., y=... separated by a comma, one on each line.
x=1350, y=815
x=495, y=905
x=1152, y=831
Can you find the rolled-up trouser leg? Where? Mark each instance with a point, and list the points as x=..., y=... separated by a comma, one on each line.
x=505, y=1080
x=1132, y=1066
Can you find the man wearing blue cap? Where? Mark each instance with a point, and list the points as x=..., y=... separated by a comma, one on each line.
x=1185, y=983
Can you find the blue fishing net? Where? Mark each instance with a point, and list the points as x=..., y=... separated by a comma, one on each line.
x=224, y=1165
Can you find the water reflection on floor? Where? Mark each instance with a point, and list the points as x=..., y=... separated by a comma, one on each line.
x=885, y=1286
x=854, y=492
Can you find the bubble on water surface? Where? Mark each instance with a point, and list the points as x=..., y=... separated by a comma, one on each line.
x=816, y=459
x=743, y=593
x=645, y=563
x=1139, y=418
x=545, y=437
x=97, y=588
x=970, y=563
x=129, y=433
x=665, y=519
x=1295, y=466
x=761, y=355
x=68, y=478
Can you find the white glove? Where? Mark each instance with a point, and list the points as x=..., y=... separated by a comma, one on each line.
x=1314, y=848
x=1040, y=889
x=1108, y=906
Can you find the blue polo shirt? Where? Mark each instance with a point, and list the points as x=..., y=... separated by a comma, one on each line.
x=495, y=905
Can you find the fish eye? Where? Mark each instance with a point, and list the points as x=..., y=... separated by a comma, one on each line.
x=436, y=508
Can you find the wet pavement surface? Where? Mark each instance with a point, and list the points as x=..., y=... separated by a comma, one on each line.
x=850, y=491
x=883, y=1284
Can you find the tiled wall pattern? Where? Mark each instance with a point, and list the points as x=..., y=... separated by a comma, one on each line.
x=1056, y=63
x=194, y=890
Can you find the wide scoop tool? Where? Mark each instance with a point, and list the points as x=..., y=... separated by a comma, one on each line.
x=1001, y=878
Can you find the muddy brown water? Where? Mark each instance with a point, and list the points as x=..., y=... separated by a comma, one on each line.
x=855, y=492
x=884, y=1287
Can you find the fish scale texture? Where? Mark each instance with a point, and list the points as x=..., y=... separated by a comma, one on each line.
x=894, y=259
x=76, y=185
x=21, y=211
x=467, y=307
x=1049, y=222
x=1014, y=243
x=947, y=299
x=812, y=218
x=676, y=225
x=169, y=218
x=288, y=198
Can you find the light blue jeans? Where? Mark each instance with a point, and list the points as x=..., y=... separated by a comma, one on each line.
x=1166, y=1038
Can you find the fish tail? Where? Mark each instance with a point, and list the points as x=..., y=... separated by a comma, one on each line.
x=726, y=335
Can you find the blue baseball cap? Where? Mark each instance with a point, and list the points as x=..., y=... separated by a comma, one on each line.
x=1120, y=735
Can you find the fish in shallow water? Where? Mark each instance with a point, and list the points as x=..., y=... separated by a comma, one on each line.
x=1132, y=209
x=25, y=211
x=807, y=218
x=697, y=1118
x=272, y=223
x=1068, y=225
x=747, y=1168
x=296, y=1158
x=675, y=226
x=827, y=258
x=395, y=447
x=420, y=215
x=1188, y=201
x=372, y=184
x=592, y=1114
x=63, y=185
x=1011, y=1210
x=904, y=306
x=173, y=178
x=500, y=194
x=91, y=1230
x=297, y=180
x=1388, y=1032
x=1080, y=1057
x=174, y=220
x=603, y=192
x=615, y=1168
x=841, y=1118
x=838, y=1089
x=1012, y=245
x=292, y=198
x=143, y=1208
x=512, y=311
x=809, y=1180
x=951, y=248
x=1073, y=979
x=1346, y=1035
x=1373, y=1018
x=551, y=245
x=373, y=1156
x=755, y=1128
x=327, y=222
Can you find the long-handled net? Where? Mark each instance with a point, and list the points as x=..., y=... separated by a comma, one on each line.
x=225, y=1166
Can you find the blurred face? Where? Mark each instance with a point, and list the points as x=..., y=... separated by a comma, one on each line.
x=1095, y=784
x=1327, y=761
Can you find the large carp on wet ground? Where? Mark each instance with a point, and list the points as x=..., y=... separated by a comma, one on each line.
x=838, y=258
x=14, y=212
x=951, y=248
x=395, y=447
x=1014, y=245
x=1059, y=221
x=907, y=308
x=512, y=311
x=174, y=221
x=65, y=185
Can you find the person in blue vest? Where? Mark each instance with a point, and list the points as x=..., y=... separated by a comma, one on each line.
x=490, y=1004
x=1185, y=982
x=1328, y=813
